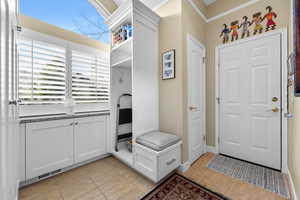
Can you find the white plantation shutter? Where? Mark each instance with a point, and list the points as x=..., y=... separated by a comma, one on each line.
x=42, y=72
x=90, y=78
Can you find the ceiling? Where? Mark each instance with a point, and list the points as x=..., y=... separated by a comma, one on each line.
x=150, y=3
x=154, y=3
x=208, y=2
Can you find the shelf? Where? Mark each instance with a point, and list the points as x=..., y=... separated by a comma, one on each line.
x=125, y=47
x=123, y=63
x=124, y=155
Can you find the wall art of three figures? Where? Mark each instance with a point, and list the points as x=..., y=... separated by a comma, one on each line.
x=257, y=21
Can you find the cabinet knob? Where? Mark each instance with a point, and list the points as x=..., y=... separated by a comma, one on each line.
x=76, y=123
x=71, y=124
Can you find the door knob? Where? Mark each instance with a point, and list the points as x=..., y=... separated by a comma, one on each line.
x=192, y=108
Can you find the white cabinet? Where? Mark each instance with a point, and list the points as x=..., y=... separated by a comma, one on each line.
x=49, y=146
x=90, y=137
x=135, y=70
x=57, y=144
x=156, y=165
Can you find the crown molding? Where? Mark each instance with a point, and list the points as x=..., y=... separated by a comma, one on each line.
x=100, y=8
x=207, y=20
x=249, y=3
x=198, y=10
x=160, y=4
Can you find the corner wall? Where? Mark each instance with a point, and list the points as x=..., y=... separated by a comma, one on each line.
x=294, y=145
x=171, y=91
x=193, y=24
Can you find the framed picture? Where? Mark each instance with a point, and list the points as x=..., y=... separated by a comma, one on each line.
x=168, y=65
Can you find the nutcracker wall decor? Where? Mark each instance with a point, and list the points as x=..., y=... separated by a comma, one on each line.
x=225, y=33
x=257, y=20
x=269, y=16
x=234, y=30
x=244, y=28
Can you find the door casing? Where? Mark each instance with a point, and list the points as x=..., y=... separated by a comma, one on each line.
x=189, y=37
x=284, y=93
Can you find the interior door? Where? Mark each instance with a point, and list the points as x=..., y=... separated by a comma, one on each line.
x=250, y=100
x=196, y=102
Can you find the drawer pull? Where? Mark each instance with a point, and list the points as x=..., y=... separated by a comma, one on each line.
x=171, y=161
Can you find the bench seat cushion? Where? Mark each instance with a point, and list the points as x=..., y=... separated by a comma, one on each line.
x=157, y=141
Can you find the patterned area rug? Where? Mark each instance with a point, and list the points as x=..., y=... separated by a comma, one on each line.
x=266, y=178
x=177, y=187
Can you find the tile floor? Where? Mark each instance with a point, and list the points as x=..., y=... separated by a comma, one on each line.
x=109, y=179
x=228, y=186
x=106, y=179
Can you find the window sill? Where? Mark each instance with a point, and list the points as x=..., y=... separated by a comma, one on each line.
x=40, y=118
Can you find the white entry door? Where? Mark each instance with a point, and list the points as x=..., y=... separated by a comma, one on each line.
x=250, y=100
x=196, y=98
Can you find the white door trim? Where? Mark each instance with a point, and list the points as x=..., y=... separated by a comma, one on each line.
x=191, y=37
x=284, y=51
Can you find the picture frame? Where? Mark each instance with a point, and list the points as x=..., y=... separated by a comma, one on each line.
x=168, y=65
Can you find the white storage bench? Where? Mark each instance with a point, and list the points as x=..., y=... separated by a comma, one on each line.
x=157, y=154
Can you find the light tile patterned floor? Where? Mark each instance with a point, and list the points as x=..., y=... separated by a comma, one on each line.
x=226, y=185
x=106, y=179
x=109, y=179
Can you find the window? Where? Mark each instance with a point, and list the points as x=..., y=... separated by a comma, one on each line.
x=42, y=72
x=78, y=16
x=54, y=73
x=90, y=78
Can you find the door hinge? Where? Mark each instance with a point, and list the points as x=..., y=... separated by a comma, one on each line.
x=219, y=140
x=204, y=138
x=204, y=60
x=218, y=100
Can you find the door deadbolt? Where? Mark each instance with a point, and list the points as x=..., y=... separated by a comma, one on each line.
x=274, y=99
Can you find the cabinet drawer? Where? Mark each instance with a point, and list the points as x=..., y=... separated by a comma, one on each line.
x=168, y=161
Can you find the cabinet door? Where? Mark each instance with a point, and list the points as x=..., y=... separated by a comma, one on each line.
x=49, y=146
x=90, y=137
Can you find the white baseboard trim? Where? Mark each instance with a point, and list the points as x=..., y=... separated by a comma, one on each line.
x=211, y=149
x=34, y=180
x=292, y=186
x=184, y=167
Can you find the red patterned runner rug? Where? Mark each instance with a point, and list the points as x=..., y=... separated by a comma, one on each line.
x=177, y=187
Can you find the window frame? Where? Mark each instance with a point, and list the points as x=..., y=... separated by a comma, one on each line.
x=27, y=110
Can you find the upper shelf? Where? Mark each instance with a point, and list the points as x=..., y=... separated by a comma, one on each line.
x=126, y=11
x=123, y=47
x=126, y=62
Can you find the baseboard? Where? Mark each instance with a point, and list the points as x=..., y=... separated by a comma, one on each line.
x=211, y=149
x=184, y=167
x=34, y=180
x=292, y=186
